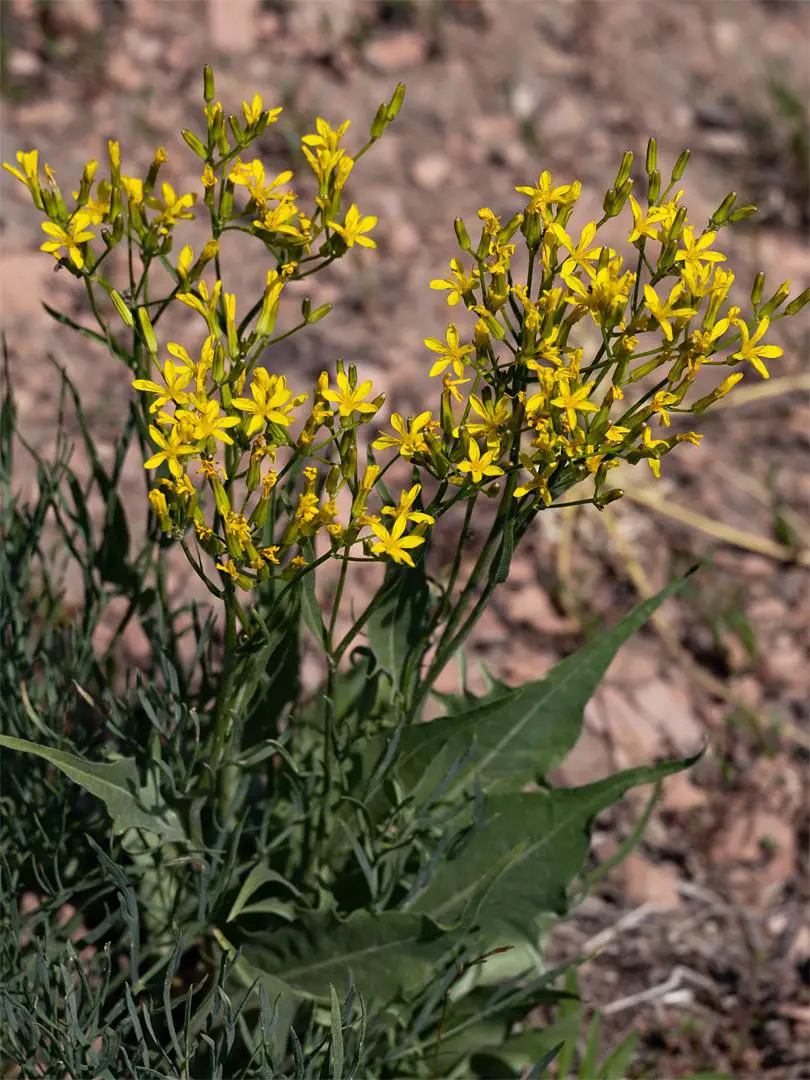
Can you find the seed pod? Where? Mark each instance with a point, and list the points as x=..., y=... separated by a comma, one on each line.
x=680, y=165
x=147, y=331
x=208, y=84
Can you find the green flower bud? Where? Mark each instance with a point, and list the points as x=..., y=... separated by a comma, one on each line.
x=236, y=130
x=801, y=301
x=319, y=313
x=396, y=102
x=208, y=84
x=193, y=143
x=757, y=289
x=462, y=235
x=380, y=122
x=653, y=186
x=608, y=497
x=147, y=331
x=742, y=213
x=776, y=301
x=680, y=166
x=720, y=216
x=652, y=157
x=623, y=174
x=122, y=309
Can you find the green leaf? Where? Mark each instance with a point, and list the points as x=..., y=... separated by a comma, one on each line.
x=258, y=877
x=522, y=734
x=130, y=803
x=617, y=1062
x=539, y=841
x=385, y=955
x=396, y=627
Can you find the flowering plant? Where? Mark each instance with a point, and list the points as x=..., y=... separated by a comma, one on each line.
x=364, y=841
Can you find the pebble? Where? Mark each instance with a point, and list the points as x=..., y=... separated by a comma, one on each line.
x=400, y=53
x=431, y=171
x=23, y=64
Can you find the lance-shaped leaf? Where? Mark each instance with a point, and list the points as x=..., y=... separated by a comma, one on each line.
x=131, y=803
x=539, y=840
x=523, y=734
x=396, y=627
x=387, y=955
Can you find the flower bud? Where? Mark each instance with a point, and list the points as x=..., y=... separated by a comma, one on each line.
x=743, y=212
x=380, y=122
x=161, y=509
x=122, y=309
x=720, y=216
x=653, y=186
x=652, y=157
x=395, y=103
x=623, y=174
x=319, y=313
x=147, y=332
x=801, y=301
x=608, y=497
x=776, y=301
x=680, y=165
x=725, y=386
x=462, y=235
x=221, y=500
x=757, y=290
x=208, y=84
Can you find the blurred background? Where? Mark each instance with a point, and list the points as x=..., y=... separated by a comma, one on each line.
x=702, y=936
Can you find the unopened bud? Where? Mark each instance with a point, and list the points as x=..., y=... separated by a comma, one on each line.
x=624, y=169
x=680, y=165
x=653, y=186
x=122, y=309
x=776, y=301
x=801, y=301
x=462, y=235
x=742, y=213
x=396, y=102
x=147, y=332
x=608, y=497
x=380, y=122
x=757, y=290
x=720, y=216
x=725, y=386
x=652, y=157
x=319, y=313
x=208, y=84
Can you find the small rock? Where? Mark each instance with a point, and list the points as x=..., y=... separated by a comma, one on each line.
x=400, y=53
x=77, y=17
x=430, y=172
x=587, y=762
x=670, y=708
x=651, y=883
x=747, y=691
x=531, y=605
x=680, y=794
x=763, y=840
x=23, y=64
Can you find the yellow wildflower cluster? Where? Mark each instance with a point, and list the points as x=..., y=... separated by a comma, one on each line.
x=258, y=473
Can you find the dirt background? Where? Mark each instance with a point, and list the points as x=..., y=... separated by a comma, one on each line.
x=702, y=937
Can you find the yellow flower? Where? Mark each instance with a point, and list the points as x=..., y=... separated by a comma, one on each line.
x=350, y=401
x=644, y=224
x=478, y=465
x=606, y=294
x=252, y=176
x=403, y=508
x=70, y=237
x=327, y=138
x=393, y=543
x=450, y=352
x=272, y=401
x=458, y=283
x=664, y=312
x=252, y=111
x=543, y=195
x=538, y=479
x=660, y=402
x=172, y=207
x=171, y=450
x=494, y=415
x=652, y=446
x=452, y=385
x=694, y=252
x=581, y=254
x=749, y=350
x=354, y=226
x=410, y=437
x=175, y=379
x=28, y=173
x=208, y=423
x=573, y=401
